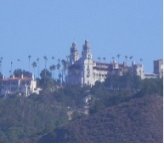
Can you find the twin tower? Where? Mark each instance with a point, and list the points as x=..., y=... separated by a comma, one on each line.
x=74, y=54
x=80, y=71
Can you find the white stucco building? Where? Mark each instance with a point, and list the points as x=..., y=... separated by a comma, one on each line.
x=86, y=71
x=18, y=85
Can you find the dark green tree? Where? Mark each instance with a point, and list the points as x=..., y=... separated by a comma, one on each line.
x=19, y=72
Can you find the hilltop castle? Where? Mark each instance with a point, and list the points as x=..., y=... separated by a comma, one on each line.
x=86, y=71
x=82, y=70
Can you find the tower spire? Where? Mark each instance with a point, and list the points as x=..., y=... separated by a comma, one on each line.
x=86, y=53
x=74, y=55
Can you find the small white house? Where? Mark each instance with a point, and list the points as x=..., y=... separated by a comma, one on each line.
x=16, y=85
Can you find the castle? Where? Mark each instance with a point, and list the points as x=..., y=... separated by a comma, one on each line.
x=86, y=71
x=82, y=70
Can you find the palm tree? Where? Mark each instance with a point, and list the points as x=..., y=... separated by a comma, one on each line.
x=10, y=73
x=52, y=57
x=11, y=68
x=118, y=56
x=18, y=60
x=113, y=58
x=34, y=65
x=131, y=57
x=29, y=58
x=58, y=67
x=60, y=77
x=37, y=60
x=104, y=58
x=52, y=68
x=99, y=58
x=45, y=60
x=126, y=57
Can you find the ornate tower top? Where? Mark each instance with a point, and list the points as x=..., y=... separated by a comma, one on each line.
x=86, y=53
x=86, y=45
x=74, y=55
x=73, y=47
x=73, y=44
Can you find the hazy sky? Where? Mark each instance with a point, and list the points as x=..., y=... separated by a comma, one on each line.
x=48, y=27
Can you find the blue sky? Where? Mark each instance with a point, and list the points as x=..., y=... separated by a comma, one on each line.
x=48, y=27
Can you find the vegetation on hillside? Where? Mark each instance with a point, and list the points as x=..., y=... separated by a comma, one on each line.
x=138, y=120
x=120, y=89
x=27, y=119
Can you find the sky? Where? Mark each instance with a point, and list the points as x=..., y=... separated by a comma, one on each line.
x=48, y=28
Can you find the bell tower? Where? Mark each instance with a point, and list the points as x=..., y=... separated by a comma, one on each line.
x=74, y=55
x=86, y=53
x=87, y=65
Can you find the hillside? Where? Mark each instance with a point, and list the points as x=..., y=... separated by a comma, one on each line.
x=137, y=120
x=122, y=109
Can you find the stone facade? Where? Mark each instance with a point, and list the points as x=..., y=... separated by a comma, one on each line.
x=17, y=85
x=85, y=71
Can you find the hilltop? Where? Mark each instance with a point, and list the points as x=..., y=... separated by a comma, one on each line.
x=121, y=109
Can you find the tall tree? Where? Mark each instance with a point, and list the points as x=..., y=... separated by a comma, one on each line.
x=113, y=58
x=29, y=59
x=19, y=72
x=45, y=61
x=37, y=60
x=118, y=57
x=18, y=64
x=1, y=76
x=99, y=59
x=52, y=69
x=34, y=65
x=11, y=67
x=45, y=79
x=52, y=57
x=131, y=57
x=104, y=58
x=126, y=59
x=58, y=66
